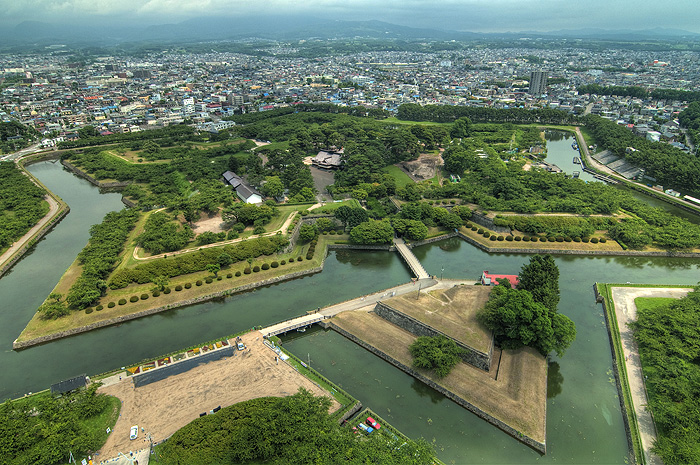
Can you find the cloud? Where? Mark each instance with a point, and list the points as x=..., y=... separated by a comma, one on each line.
x=474, y=15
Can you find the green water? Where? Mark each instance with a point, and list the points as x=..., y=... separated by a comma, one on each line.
x=584, y=422
x=560, y=153
x=346, y=275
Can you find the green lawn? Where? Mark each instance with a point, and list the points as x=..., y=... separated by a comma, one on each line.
x=331, y=207
x=645, y=303
x=424, y=123
x=401, y=178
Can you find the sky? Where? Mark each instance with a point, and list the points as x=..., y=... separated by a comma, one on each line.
x=460, y=15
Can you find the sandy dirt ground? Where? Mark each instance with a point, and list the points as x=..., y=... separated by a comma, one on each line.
x=206, y=223
x=425, y=167
x=163, y=407
x=626, y=312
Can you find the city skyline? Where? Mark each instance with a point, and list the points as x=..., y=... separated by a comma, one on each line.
x=456, y=15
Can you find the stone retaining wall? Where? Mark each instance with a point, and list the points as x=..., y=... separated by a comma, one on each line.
x=102, y=185
x=620, y=253
x=485, y=221
x=431, y=240
x=469, y=355
x=540, y=447
x=351, y=412
x=62, y=212
x=120, y=319
x=616, y=370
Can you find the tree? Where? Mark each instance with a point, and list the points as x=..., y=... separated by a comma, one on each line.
x=541, y=278
x=516, y=319
x=437, y=353
x=307, y=232
x=372, y=232
x=161, y=281
x=273, y=187
x=224, y=260
x=214, y=269
x=461, y=128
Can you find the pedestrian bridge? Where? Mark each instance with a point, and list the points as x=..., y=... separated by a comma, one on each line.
x=410, y=259
x=290, y=325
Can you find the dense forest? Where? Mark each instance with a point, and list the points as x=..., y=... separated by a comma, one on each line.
x=290, y=430
x=450, y=113
x=669, y=346
x=22, y=204
x=670, y=166
x=42, y=429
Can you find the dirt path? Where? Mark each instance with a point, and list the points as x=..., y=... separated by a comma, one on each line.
x=282, y=228
x=53, y=209
x=626, y=312
x=163, y=407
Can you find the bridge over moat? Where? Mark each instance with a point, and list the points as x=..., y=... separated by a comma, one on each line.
x=413, y=263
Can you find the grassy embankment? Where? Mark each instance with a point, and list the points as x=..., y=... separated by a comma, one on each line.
x=76, y=319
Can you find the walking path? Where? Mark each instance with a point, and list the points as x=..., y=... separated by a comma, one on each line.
x=413, y=263
x=282, y=228
x=626, y=312
x=53, y=209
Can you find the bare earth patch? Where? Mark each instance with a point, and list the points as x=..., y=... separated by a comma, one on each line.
x=514, y=392
x=207, y=223
x=425, y=167
x=452, y=311
x=163, y=407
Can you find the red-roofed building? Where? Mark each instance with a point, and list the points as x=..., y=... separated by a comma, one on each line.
x=490, y=279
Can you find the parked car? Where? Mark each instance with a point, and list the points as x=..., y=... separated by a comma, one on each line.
x=365, y=428
x=134, y=432
x=371, y=422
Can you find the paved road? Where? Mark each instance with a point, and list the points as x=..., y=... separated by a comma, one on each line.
x=53, y=209
x=626, y=312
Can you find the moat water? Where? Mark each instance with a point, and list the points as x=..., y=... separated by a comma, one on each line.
x=584, y=423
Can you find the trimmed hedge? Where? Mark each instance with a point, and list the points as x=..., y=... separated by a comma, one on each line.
x=144, y=296
x=238, y=273
x=99, y=307
x=291, y=259
x=256, y=269
x=199, y=282
x=188, y=285
x=112, y=305
x=134, y=298
x=122, y=301
x=282, y=262
x=274, y=264
x=88, y=310
x=178, y=288
x=594, y=240
x=156, y=293
x=229, y=275
x=265, y=266
x=166, y=290
x=247, y=270
x=208, y=280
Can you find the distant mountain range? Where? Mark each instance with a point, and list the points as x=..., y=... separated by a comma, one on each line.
x=288, y=28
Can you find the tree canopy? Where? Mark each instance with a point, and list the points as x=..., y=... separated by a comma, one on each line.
x=669, y=346
x=290, y=430
x=437, y=353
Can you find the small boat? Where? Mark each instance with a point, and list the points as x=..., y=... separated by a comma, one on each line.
x=302, y=330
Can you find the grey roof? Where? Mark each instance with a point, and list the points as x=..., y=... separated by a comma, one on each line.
x=68, y=385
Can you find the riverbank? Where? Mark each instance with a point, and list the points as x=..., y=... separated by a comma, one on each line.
x=58, y=210
x=620, y=310
x=511, y=396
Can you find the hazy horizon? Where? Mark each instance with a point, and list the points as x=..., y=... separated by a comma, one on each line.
x=457, y=15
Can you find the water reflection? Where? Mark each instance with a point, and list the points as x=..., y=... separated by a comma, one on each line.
x=555, y=380
x=424, y=390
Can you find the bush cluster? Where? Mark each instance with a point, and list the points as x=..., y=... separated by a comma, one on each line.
x=112, y=305
x=229, y=275
x=256, y=269
x=166, y=290
x=178, y=287
x=122, y=301
x=265, y=266
x=238, y=273
x=133, y=298
x=188, y=285
x=88, y=310
x=199, y=282
x=144, y=296
x=208, y=280
x=247, y=270
x=274, y=264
